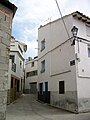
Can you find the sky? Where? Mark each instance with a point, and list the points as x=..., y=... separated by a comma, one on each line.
x=33, y=13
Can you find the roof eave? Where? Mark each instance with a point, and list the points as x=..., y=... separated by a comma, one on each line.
x=81, y=16
x=9, y=5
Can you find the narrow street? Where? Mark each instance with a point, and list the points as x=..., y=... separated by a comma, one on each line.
x=28, y=108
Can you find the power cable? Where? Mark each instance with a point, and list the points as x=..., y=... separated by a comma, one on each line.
x=62, y=18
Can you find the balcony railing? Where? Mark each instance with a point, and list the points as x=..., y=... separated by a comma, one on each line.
x=13, y=67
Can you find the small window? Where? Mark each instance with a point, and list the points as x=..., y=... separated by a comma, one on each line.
x=61, y=87
x=88, y=51
x=72, y=62
x=32, y=64
x=43, y=66
x=5, y=18
x=42, y=44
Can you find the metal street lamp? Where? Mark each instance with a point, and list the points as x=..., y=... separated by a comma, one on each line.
x=74, y=31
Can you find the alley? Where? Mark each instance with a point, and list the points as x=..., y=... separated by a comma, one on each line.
x=28, y=108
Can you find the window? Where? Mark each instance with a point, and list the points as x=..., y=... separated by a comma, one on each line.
x=72, y=62
x=32, y=64
x=43, y=66
x=5, y=18
x=32, y=73
x=42, y=44
x=88, y=51
x=12, y=57
x=61, y=87
x=88, y=30
x=20, y=49
x=13, y=68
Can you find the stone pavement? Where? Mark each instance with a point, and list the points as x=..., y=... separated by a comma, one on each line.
x=28, y=108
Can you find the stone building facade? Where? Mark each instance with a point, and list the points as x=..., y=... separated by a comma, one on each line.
x=7, y=11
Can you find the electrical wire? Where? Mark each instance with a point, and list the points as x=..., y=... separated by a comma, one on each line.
x=62, y=19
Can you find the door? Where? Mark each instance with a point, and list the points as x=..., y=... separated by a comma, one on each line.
x=33, y=87
x=46, y=95
x=46, y=87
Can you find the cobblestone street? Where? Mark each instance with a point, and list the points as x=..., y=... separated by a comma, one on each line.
x=28, y=108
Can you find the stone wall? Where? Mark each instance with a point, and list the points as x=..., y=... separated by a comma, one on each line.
x=6, y=15
x=4, y=63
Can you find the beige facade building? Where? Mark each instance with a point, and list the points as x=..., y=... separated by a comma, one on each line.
x=31, y=71
x=7, y=11
x=64, y=63
x=16, y=70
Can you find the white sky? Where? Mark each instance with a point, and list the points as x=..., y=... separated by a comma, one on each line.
x=33, y=13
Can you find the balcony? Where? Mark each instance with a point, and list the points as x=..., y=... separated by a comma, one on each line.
x=13, y=68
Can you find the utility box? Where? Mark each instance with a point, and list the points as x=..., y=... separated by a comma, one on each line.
x=7, y=12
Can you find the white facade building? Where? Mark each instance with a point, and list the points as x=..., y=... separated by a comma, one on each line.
x=16, y=69
x=64, y=68
x=31, y=70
